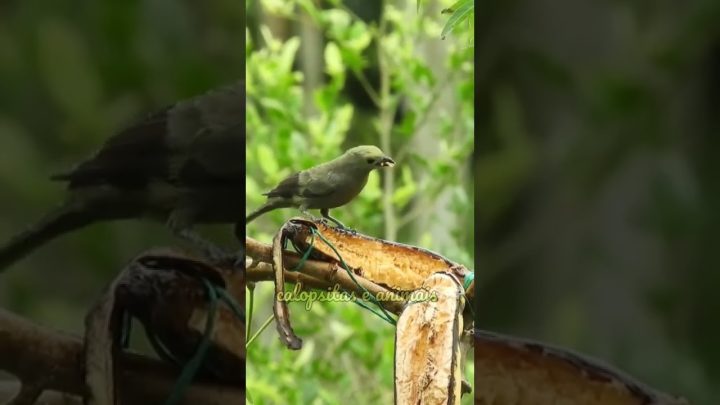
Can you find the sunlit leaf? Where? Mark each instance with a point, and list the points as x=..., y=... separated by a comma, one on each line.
x=461, y=11
x=333, y=60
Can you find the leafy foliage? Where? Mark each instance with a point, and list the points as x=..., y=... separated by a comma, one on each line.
x=461, y=14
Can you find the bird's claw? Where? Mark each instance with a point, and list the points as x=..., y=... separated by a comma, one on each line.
x=337, y=225
x=350, y=230
x=345, y=228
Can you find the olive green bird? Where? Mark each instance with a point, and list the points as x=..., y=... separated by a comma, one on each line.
x=328, y=185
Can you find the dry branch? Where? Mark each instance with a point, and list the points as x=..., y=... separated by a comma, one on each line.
x=35, y=353
x=320, y=275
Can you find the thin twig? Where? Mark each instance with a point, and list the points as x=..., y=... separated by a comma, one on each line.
x=388, y=109
x=365, y=83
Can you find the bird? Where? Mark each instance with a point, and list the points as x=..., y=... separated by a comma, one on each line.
x=329, y=185
x=182, y=165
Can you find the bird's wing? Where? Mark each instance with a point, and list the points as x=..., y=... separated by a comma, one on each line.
x=301, y=184
x=196, y=142
x=288, y=188
x=319, y=183
x=215, y=158
x=210, y=133
x=128, y=158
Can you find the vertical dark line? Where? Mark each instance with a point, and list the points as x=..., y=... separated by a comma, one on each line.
x=240, y=229
x=475, y=157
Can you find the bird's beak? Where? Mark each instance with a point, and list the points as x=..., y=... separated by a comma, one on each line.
x=385, y=162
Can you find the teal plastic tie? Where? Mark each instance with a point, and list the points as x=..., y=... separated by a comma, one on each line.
x=468, y=279
x=192, y=366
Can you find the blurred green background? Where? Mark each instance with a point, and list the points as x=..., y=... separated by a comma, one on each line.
x=72, y=73
x=321, y=80
x=597, y=182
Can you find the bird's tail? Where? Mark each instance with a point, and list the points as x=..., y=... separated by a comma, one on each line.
x=65, y=218
x=268, y=206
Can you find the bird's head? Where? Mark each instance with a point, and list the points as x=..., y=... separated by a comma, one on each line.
x=369, y=156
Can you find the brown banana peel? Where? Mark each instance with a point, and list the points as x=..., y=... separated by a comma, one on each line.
x=397, y=266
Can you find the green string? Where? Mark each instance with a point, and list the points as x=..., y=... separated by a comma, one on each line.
x=125, y=330
x=469, y=279
x=160, y=348
x=193, y=365
x=231, y=303
x=262, y=328
x=191, y=368
x=305, y=255
x=385, y=315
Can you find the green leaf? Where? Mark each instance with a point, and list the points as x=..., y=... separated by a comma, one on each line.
x=333, y=60
x=274, y=106
x=337, y=19
x=462, y=11
x=279, y=7
x=287, y=55
x=358, y=37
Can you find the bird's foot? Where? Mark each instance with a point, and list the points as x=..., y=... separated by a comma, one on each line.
x=339, y=226
x=351, y=230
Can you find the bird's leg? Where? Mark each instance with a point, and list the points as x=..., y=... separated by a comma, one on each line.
x=304, y=211
x=180, y=224
x=325, y=212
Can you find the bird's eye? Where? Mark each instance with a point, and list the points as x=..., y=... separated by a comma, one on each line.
x=371, y=161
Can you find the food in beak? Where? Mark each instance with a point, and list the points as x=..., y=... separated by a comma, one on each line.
x=386, y=162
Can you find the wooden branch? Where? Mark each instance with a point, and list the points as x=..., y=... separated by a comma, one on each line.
x=38, y=354
x=322, y=274
x=264, y=272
